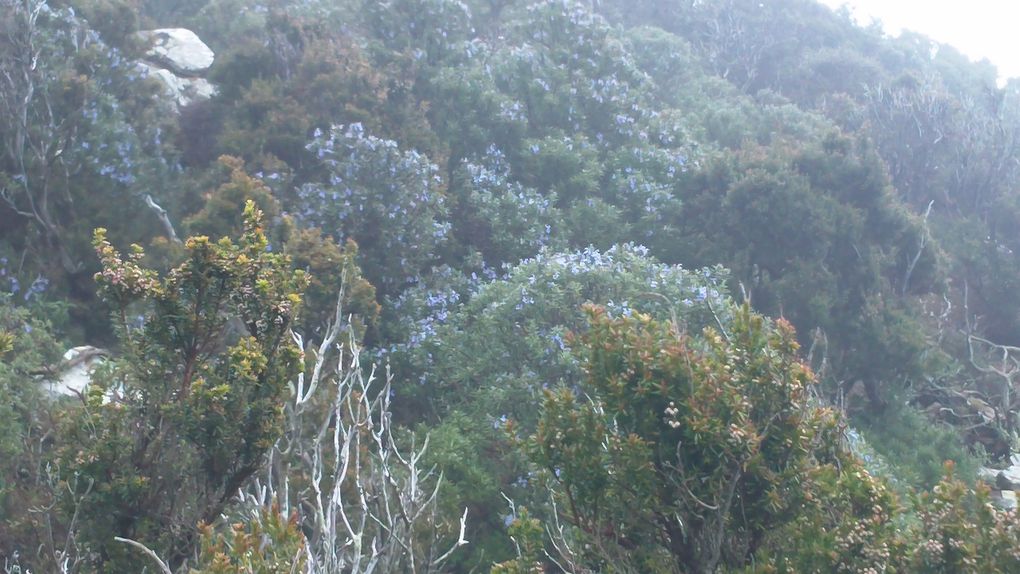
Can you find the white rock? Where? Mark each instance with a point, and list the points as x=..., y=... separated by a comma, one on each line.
x=178, y=49
x=988, y=475
x=1010, y=477
x=80, y=362
x=1007, y=499
x=182, y=91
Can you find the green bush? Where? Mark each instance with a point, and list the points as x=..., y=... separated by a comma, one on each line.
x=915, y=448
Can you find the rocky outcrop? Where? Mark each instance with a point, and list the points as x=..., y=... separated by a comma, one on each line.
x=1005, y=482
x=178, y=58
x=74, y=373
x=179, y=50
x=181, y=90
x=1009, y=477
x=1005, y=499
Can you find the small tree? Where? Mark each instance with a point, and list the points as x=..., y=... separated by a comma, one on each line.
x=77, y=133
x=962, y=531
x=686, y=451
x=186, y=416
x=340, y=492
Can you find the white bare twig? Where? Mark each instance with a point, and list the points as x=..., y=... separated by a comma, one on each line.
x=1006, y=369
x=367, y=503
x=461, y=541
x=164, y=218
x=920, y=249
x=148, y=552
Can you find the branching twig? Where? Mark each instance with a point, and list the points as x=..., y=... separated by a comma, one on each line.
x=367, y=500
x=461, y=541
x=148, y=552
x=920, y=250
x=164, y=218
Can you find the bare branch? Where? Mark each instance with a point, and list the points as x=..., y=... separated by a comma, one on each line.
x=461, y=541
x=148, y=552
x=366, y=503
x=920, y=250
x=168, y=226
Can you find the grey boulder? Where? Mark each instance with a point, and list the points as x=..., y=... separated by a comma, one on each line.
x=179, y=50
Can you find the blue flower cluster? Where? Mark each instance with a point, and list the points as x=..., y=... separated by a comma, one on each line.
x=438, y=306
x=388, y=200
x=514, y=221
x=36, y=288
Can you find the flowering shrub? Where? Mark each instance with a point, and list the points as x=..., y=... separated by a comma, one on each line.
x=569, y=166
x=269, y=543
x=574, y=75
x=221, y=214
x=470, y=112
x=962, y=531
x=79, y=132
x=527, y=314
x=681, y=448
x=391, y=202
x=28, y=345
x=847, y=521
x=178, y=425
x=503, y=219
x=641, y=181
x=482, y=348
x=428, y=30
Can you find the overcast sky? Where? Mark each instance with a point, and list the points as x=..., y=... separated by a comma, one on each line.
x=978, y=28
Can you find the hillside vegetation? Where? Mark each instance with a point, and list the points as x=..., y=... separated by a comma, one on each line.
x=504, y=285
